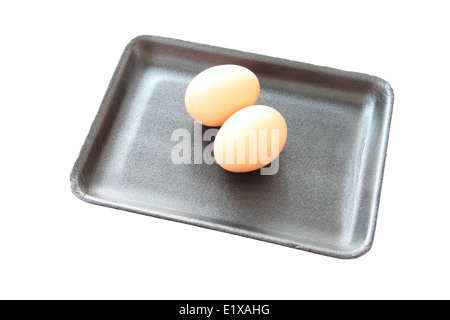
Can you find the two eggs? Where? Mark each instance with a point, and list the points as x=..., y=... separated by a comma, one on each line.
x=251, y=136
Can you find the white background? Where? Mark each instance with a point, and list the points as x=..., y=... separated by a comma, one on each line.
x=56, y=60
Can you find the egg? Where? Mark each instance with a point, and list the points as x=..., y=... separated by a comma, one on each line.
x=250, y=139
x=218, y=92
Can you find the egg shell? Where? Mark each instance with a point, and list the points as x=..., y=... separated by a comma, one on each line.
x=218, y=92
x=244, y=142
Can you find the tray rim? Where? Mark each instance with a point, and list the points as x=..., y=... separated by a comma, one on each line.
x=76, y=177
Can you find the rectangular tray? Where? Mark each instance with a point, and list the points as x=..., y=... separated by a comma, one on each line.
x=323, y=199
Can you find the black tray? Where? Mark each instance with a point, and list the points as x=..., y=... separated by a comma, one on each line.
x=323, y=199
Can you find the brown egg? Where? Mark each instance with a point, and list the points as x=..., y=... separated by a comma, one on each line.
x=250, y=139
x=218, y=92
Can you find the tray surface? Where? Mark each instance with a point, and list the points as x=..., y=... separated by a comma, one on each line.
x=324, y=197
